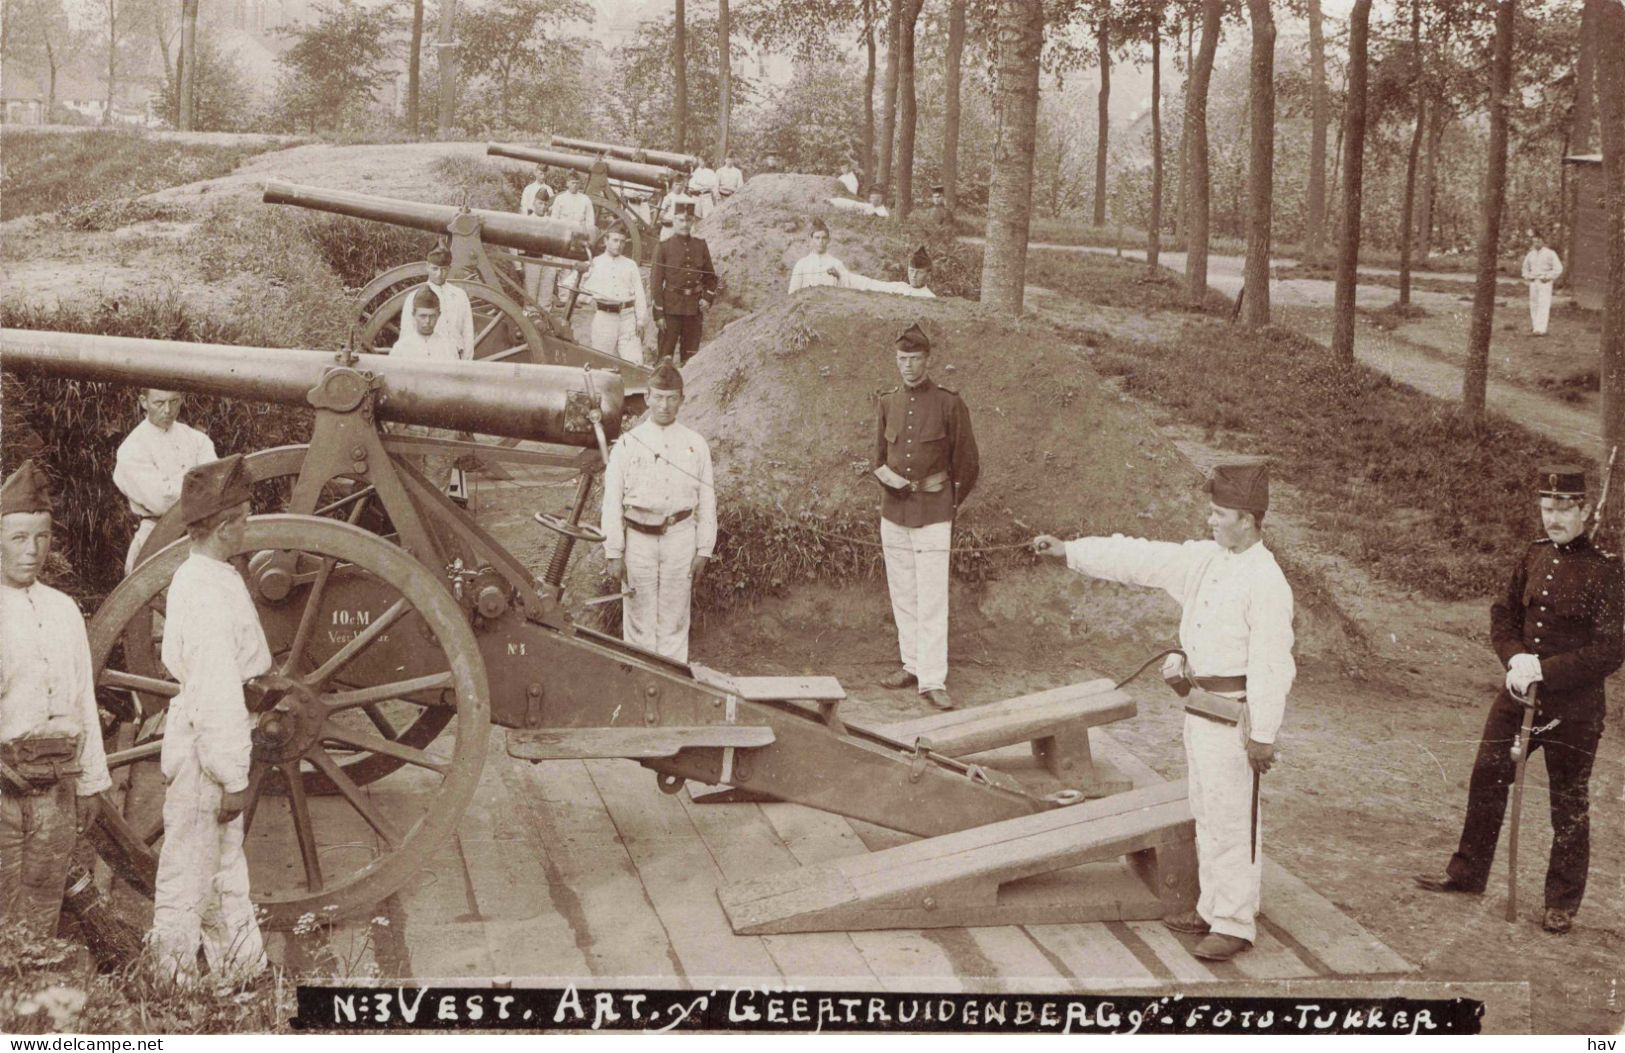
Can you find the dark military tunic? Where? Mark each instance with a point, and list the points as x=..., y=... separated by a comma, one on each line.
x=682, y=276
x=923, y=431
x=1565, y=604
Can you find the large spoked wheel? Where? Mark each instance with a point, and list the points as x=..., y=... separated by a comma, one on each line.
x=502, y=330
x=358, y=623
x=273, y=473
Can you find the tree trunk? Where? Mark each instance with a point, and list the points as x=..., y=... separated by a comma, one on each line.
x=1491, y=204
x=112, y=59
x=1585, y=97
x=188, y=72
x=1261, y=168
x=869, y=96
x=1348, y=244
x=679, y=63
x=907, y=109
x=1153, y=234
x=1181, y=212
x=414, y=69
x=446, y=48
x=1430, y=163
x=1019, y=44
x=1314, y=231
x=1103, y=120
x=1610, y=88
x=950, y=116
x=1196, y=218
x=1407, y=209
x=724, y=80
x=888, y=100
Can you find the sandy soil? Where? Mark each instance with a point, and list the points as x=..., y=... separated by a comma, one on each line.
x=1382, y=726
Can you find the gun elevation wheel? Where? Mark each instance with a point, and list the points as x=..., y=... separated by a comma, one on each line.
x=362, y=624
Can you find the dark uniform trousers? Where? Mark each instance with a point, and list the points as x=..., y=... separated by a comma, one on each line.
x=1566, y=605
x=682, y=281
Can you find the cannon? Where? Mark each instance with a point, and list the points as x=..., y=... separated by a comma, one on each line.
x=383, y=642
x=682, y=162
x=485, y=246
x=614, y=204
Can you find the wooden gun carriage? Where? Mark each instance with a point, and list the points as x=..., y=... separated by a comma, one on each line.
x=397, y=649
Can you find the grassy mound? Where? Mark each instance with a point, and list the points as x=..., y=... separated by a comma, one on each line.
x=786, y=397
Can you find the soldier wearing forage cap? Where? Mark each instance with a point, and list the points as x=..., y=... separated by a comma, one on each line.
x=659, y=519
x=1559, y=624
x=535, y=200
x=213, y=644
x=927, y=463
x=1235, y=673
x=939, y=207
x=818, y=267
x=919, y=272
x=682, y=285
x=153, y=459
x=456, y=319
x=51, y=759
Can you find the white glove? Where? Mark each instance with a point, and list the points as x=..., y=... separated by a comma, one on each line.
x=1522, y=670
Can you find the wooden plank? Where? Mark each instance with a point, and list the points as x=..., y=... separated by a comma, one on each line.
x=1270, y=959
x=529, y=937
x=631, y=742
x=744, y=845
x=1171, y=953
x=1092, y=954
x=1342, y=943
x=1017, y=719
x=772, y=688
x=590, y=874
x=680, y=878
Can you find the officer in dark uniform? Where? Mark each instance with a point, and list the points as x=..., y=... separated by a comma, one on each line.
x=682, y=285
x=939, y=207
x=1559, y=625
x=927, y=463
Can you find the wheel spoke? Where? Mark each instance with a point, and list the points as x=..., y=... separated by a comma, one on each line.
x=307, y=617
x=124, y=757
x=352, y=793
x=381, y=722
x=496, y=320
x=361, y=641
x=367, y=696
x=357, y=498
x=251, y=796
x=136, y=682
x=303, y=828
x=507, y=352
x=362, y=740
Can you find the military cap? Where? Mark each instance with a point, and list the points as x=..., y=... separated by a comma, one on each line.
x=921, y=260
x=913, y=339
x=25, y=490
x=440, y=256
x=1243, y=485
x=666, y=377
x=214, y=486
x=1562, y=480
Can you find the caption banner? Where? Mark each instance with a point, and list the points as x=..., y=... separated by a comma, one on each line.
x=589, y=1009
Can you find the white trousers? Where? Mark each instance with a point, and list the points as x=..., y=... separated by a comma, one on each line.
x=917, y=576
x=1540, y=305
x=533, y=283
x=655, y=616
x=202, y=890
x=616, y=333
x=1221, y=797
x=142, y=532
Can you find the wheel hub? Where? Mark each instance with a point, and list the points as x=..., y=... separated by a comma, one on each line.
x=286, y=731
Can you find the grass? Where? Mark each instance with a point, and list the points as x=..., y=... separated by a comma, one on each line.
x=1105, y=280
x=1399, y=482
x=53, y=171
x=1419, y=281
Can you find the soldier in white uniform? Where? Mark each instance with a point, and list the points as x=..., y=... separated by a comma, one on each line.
x=1541, y=268
x=659, y=519
x=51, y=759
x=213, y=644
x=1236, y=634
x=571, y=206
x=729, y=179
x=456, y=317
x=421, y=337
x=818, y=267
x=919, y=272
x=702, y=183
x=535, y=200
x=671, y=203
x=621, y=305
x=152, y=460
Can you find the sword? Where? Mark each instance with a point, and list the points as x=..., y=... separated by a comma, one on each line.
x=611, y=598
x=1520, y=757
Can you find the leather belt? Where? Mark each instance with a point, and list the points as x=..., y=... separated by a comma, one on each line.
x=656, y=529
x=1220, y=683
x=612, y=308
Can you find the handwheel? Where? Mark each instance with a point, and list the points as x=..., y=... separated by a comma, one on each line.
x=273, y=473
x=360, y=611
x=580, y=531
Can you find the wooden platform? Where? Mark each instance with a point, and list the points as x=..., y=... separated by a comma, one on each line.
x=583, y=870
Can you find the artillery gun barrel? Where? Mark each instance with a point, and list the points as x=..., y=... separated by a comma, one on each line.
x=528, y=234
x=651, y=176
x=513, y=400
x=631, y=153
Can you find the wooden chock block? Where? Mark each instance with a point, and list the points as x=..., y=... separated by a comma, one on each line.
x=1067, y=756
x=1170, y=869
